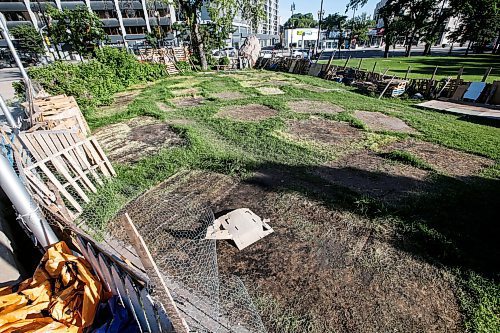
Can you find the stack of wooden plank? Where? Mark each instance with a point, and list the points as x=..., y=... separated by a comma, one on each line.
x=396, y=87
x=180, y=53
x=58, y=112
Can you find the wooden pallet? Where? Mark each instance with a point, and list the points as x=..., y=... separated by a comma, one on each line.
x=58, y=112
x=65, y=164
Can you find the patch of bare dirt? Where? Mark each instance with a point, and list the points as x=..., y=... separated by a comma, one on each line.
x=229, y=95
x=249, y=112
x=187, y=102
x=327, y=132
x=310, y=106
x=377, y=121
x=367, y=173
x=164, y=107
x=337, y=271
x=446, y=160
x=185, y=92
x=121, y=101
x=137, y=138
x=269, y=91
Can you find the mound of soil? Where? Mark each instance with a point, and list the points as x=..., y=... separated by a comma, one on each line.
x=367, y=173
x=446, y=160
x=324, y=131
x=135, y=139
x=337, y=271
x=187, y=102
x=309, y=106
x=377, y=121
x=229, y=95
x=270, y=91
x=249, y=112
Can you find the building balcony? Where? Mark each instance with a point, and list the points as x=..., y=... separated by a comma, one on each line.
x=12, y=7
x=163, y=21
x=72, y=4
x=111, y=22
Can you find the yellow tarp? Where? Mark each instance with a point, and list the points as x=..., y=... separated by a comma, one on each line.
x=62, y=296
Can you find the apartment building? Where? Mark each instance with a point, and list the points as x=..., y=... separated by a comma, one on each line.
x=449, y=25
x=125, y=21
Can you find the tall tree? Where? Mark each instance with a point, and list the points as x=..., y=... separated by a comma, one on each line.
x=479, y=22
x=222, y=13
x=28, y=40
x=336, y=23
x=300, y=20
x=360, y=26
x=81, y=29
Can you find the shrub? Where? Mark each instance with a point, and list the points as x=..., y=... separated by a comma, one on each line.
x=224, y=61
x=184, y=66
x=93, y=83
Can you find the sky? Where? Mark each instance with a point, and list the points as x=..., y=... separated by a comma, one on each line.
x=312, y=6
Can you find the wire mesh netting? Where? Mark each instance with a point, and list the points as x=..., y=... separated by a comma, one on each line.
x=174, y=231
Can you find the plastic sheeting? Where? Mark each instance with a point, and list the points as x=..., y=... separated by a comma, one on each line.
x=62, y=296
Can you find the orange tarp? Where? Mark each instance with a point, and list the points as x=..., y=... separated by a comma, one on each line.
x=62, y=296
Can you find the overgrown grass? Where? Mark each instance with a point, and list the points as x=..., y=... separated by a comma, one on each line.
x=475, y=66
x=407, y=158
x=438, y=224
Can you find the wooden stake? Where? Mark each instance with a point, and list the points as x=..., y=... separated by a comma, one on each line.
x=386, y=87
x=374, y=67
x=460, y=72
x=434, y=73
x=347, y=61
x=153, y=272
x=486, y=74
x=407, y=72
x=359, y=64
x=330, y=60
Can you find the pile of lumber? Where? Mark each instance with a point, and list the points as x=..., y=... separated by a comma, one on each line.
x=160, y=56
x=58, y=112
x=57, y=159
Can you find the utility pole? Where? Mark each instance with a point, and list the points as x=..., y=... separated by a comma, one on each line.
x=292, y=8
x=320, y=18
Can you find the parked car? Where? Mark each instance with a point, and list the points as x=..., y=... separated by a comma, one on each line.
x=266, y=53
x=300, y=53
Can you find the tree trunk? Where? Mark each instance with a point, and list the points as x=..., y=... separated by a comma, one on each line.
x=387, y=48
x=198, y=45
x=427, y=50
x=409, y=46
x=468, y=48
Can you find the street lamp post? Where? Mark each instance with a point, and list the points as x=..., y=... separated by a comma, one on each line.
x=320, y=18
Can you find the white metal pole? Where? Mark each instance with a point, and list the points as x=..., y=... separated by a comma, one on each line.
x=8, y=115
x=146, y=15
x=122, y=26
x=24, y=205
x=5, y=34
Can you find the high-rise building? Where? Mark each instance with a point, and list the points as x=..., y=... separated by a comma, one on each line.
x=124, y=20
x=267, y=32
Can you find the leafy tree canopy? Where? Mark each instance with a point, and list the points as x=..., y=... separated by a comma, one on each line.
x=79, y=28
x=28, y=39
x=301, y=21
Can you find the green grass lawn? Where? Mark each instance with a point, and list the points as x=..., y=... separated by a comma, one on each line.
x=454, y=227
x=422, y=67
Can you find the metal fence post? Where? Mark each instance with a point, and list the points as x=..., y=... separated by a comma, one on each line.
x=25, y=206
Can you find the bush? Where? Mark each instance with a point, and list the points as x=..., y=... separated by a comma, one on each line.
x=224, y=61
x=184, y=66
x=93, y=83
